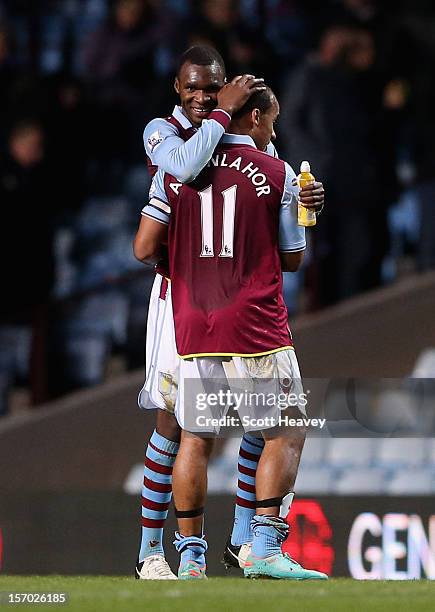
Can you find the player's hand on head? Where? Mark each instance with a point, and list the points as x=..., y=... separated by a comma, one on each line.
x=312, y=196
x=233, y=95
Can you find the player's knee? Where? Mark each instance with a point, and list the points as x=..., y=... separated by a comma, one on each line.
x=198, y=446
x=167, y=426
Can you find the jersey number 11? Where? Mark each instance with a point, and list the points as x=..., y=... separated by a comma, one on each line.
x=229, y=213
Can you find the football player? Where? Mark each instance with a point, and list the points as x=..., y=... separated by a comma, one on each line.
x=225, y=260
x=181, y=144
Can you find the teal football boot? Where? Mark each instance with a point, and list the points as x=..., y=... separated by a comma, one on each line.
x=191, y=546
x=191, y=571
x=280, y=567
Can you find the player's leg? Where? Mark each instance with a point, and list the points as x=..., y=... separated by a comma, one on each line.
x=162, y=447
x=276, y=474
x=278, y=464
x=238, y=546
x=190, y=492
x=160, y=456
x=196, y=376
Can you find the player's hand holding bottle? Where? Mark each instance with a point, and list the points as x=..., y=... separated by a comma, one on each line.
x=311, y=196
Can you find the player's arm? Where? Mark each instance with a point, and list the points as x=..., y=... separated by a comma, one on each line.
x=291, y=262
x=185, y=159
x=292, y=242
x=311, y=196
x=153, y=227
x=148, y=240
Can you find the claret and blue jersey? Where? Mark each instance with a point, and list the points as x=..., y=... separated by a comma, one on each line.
x=226, y=229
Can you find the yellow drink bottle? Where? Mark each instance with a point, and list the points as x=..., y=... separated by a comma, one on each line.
x=306, y=217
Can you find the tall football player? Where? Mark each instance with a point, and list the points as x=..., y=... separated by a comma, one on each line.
x=182, y=144
x=225, y=260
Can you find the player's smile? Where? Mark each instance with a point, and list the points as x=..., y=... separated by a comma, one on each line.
x=201, y=112
x=198, y=87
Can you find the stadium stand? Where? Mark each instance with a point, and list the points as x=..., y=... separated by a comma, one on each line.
x=93, y=114
x=106, y=417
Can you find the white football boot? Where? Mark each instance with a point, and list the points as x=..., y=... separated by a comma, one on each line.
x=235, y=556
x=154, y=567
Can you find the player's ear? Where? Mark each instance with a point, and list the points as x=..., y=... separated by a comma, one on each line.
x=255, y=116
x=177, y=85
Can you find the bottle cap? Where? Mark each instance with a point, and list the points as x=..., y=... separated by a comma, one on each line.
x=305, y=166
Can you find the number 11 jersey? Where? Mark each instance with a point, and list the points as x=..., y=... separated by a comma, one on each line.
x=225, y=232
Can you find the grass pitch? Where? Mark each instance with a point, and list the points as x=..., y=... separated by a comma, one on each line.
x=119, y=594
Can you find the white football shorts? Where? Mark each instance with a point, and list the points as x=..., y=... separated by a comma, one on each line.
x=259, y=386
x=162, y=361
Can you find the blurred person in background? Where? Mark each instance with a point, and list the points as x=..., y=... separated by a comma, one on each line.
x=424, y=134
x=69, y=118
x=219, y=23
x=115, y=52
x=342, y=131
x=7, y=73
x=8, y=78
x=23, y=91
x=27, y=214
x=417, y=37
x=289, y=29
x=119, y=67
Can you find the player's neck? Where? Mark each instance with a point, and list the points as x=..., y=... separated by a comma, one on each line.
x=240, y=130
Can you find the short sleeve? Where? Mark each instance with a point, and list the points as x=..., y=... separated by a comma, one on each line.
x=155, y=133
x=184, y=159
x=291, y=235
x=158, y=206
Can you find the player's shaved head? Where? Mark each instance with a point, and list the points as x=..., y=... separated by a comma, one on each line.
x=201, y=55
x=257, y=117
x=263, y=100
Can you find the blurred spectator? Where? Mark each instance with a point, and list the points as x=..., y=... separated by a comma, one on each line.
x=27, y=213
x=117, y=51
x=367, y=14
x=418, y=32
x=289, y=29
x=381, y=20
x=333, y=112
x=424, y=122
x=26, y=264
x=8, y=77
x=69, y=126
x=219, y=23
x=22, y=92
x=119, y=65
